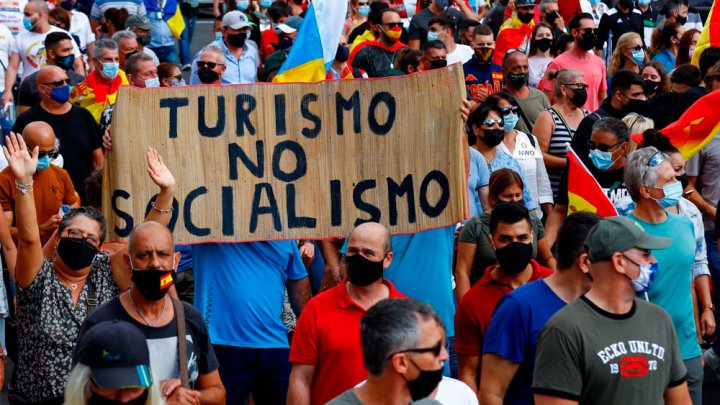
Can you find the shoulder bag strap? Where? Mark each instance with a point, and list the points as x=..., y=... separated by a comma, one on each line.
x=182, y=342
x=92, y=301
x=525, y=119
x=571, y=132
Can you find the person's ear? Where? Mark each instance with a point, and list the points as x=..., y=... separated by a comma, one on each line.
x=583, y=263
x=178, y=256
x=388, y=260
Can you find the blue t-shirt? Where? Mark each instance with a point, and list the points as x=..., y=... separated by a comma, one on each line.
x=239, y=290
x=479, y=176
x=478, y=76
x=513, y=333
x=673, y=281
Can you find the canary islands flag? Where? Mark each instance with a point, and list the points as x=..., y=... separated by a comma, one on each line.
x=584, y=192
x=173, y=17
x=314, y=48
x=710, y=35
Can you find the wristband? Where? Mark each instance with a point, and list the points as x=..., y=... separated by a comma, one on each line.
x=24, y=188
x=160, y=210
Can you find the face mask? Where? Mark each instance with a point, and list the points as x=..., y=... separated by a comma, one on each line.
x=626, y=3
x=176, y=82
x=442, y=4
x=145, y=39
x=644, y=3
x=218, y=36
x=364, y=10
x=492, y=137
x=579, y=97
x=514, y=257
x=510, y=121
x=237, y=40
x=691, y=51
x=643, y=281
x=684, y=181
x=103, y=28
x=551, y=17
x=268, y=3
x=681, y=19
x=154, y=82
x=153, y=284
x=28, y=24
x=361, y=271
x=129, y=54
x=517, y=79
x=433, y=36
x=587, y=41
x=425, y=383
x=673, y=194
x=207, y=75
x=602, y=160
x=438, y=64
x=543, y=44
x=65, y=62
x=96, y=399
x=67, y=4
x=43, y=163
x=394, y=33
x=283, y=43
x=110, y=69
x=638, y=57
x=243, y=5
x=484, y=55
x=636, y=106
x=60, y=94
x=594, y=2
x=526, y=17
x=76, y=253
x=650, y=87
x=342, y=54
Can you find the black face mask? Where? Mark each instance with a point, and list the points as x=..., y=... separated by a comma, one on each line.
x=633, y=105
x=587, y=41
x=283, y=43
x=514, y=257
x=517, y=79
x=153, y=284
x=67, y=4
x=103, y=28
x=363, y=272
x=96, y=399
x=207, y=75
x=76, y=253
x=492, y=137
x=525, y=18
x=237, y=40
x=650, y=87
x=684, y=181
x=551, y=17
x=129, y=54
x=543, y=44
x=65, y=62
x=626, y=4
x=425, y=383
x=681, y=19
x=144, y=40
x=438, y=64
x=342, y=54
x=579, y=97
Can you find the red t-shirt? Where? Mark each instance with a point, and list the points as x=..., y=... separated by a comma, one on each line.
x=327, y=335
x=268, y=40
x=477, y=306
x=569, y=9
x=593, y=69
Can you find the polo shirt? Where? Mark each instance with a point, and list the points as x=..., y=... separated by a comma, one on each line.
x=327, y=336
x=477, y=306
x=133, y=7
x=237, y=70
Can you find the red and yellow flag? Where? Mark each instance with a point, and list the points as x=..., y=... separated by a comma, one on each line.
x=710, y=35
x=166, y=281
x=584, y=192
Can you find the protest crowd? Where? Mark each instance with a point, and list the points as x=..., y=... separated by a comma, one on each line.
x=585, y=270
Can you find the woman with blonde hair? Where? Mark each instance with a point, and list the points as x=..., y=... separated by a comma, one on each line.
x=629, y=54
x=638, y=123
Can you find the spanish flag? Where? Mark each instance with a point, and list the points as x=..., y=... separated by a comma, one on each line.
x=173, y=17
x=695, y=128
x=584, y=192
x=710, y=35
x=166, y=281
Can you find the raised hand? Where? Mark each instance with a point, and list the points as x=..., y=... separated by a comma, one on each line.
x=22, y=164
x=159, y=173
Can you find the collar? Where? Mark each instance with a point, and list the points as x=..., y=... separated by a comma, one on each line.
x=101, y=89
x=343, y=298
x=538, y=272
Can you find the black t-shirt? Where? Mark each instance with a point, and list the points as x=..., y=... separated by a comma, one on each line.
x=162, y=341
x=667, y=108
x=78, y=135
x=616, y=23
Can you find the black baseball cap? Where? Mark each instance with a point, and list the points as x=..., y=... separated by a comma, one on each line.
x=117, y=354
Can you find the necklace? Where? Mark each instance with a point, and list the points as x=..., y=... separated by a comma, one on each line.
x=143, y=315
x=73, y=284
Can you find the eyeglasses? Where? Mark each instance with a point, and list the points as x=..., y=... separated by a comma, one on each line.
x=52, y=153
x=655, y=160
x=636, y=48
x=575, y=86
x=210, y=65
x=74, y=233
x=508, y=110
x=393, y=24
x=435, y=350
x=602, y=148
x=588, y=31
x=57, y=83
x=491, y=122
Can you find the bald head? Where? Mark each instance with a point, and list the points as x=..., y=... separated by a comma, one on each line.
x=40, y=134
x=372, y=232
x=50, y=74
x=37, y=6
x=149, y=231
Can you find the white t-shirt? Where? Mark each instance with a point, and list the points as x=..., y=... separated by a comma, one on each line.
x=537, y=66
x=450, y=392
x=462, y=54
x=531, y=161
x=80, y=26
x=6, y=47
x=31, y=47
x=11, y=14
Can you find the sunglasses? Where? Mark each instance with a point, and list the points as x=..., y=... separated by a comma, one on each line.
x=210, y=65
x=57, y=83
x=435, y=350
x=589, y=30
x=636, y=48
x=602, y=148
x=655, y=160
x=491, y=122
x=575, y=86
x=393, y=25
x=508, y=110
x=52, y=153
x=364, y=3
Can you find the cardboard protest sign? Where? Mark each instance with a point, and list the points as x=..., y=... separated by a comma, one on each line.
x=289, y=161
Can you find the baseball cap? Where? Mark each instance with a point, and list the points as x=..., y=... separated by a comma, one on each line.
x=139, y=21
x=235, y=19
x=290, y=25
x=117, y=354
x=618, y=234
x=524, y=3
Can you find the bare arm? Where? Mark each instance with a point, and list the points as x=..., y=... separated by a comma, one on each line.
x=679, y=395
x=330, y=249
x=707, y=317
x=469, y=371
x=299, y=294
x=695, y=198
x=414, y=43
x=79, y=66
x=212, y=391
x=493, y=386
x=555, y=219
x=545, y=255
x=543, y=130
x=463, y=267
x=98, y=159
x=548, y=400
x=467, y=12
x=8, y=246
x=301, y=378
x=10, y=77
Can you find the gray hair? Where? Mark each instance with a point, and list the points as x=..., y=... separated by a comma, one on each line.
x=638, y=171
x=565, y=76
x=132, y=64
x=101, y=44
x=545, y=2
x=392, y=326
x=123, y=34
x=216, y=49
x=89, y=212
x=614, y=126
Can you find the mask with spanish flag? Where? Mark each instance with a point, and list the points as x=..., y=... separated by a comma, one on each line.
x=153, y=284
x=393, y=33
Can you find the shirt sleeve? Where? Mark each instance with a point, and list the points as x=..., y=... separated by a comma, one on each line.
x=603, y=30
x=208, y=361
x=467, y=233
x=295, y=268
x=506, y=335
x=468, y=334
x=545, y=193
x=415, y=31
x=557, y=365
x=95, y=12
x=304, y=345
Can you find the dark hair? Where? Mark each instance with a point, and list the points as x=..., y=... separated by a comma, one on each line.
x=713, y=74
x=624, y=79
x=165, y=70
x=278, y=9
x=483, y=29
x=571, y=237
x=653, y=137
x=93, y=189
x=62, y=16
x=672, y=5
x=407, y=57
x=575, y=22
x=494, y=99
x=379, y=16
x=561, y=43
x=444, y=21
x=614, y=126
x=662, y=36
x=686, y=74
x=664, y=81
x=436, y=44
x=132, y=64
x=539, y=25
x=54, y=38
x=478, y=115
x=500, y=180
x=468, y=24
x=117, y=16
x=375, y=8
x=708, y=58
x=508, y=213
x=683, y=55
x=89, y=212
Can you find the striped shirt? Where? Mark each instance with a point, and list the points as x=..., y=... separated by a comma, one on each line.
x=133, y=7
x=560, y=137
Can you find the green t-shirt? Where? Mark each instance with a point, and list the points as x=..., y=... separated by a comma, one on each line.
x=477, y=231
x=589, y=355
x=347, y=398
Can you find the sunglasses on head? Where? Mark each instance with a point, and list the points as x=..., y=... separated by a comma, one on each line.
x=210, y=65
x=435, y=350
x=56, y=83
x=509, y=110
x=654, y=161
x=602, y=148
x=490, y=122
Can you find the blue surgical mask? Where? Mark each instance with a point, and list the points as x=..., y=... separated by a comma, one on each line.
x=218, y=36
x=364, y=11
x=644, y=3
x=594, y=2
x=28, y=24
x=154, y=82
x=644, y=280
x=638, y=57
x=43, y=163
x=266, y=3
x=433, y=36
x=673, y=193
x=602, y=160
x=510, y=121
x=60, y=94
x=110, y=69
x=243, y=5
